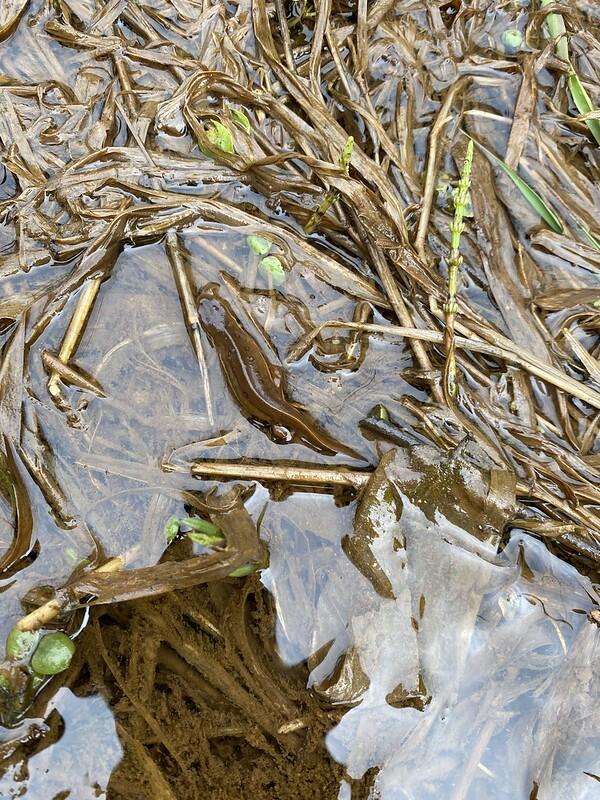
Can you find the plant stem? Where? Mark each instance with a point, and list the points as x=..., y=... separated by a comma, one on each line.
x=461, y=199
x=331, y=195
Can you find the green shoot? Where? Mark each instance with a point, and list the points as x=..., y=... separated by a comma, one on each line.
x=331, y=195
x=205, y=539
x=220, y=136
x=271, y=267
x=557, y=31
x=457, y=226
x=584, y=103
x=201, y=526
x=259, y=245
x=590, y=237
x=246, y=569
x=380, y=412
x=240, y=119
x=346, y=155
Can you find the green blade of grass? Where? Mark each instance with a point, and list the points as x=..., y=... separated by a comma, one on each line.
x=557, y=31
x=584, y=103
x=532, y=197
x=590, y=237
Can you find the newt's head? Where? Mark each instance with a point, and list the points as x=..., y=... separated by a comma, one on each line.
x=212, y=309
x=209, y=290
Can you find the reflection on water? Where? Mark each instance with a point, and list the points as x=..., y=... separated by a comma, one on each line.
x=82, y=750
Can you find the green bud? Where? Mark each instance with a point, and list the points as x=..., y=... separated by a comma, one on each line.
x=53, y=654
x=246, y=569
x=240, y=119
x=272, y=266
x=201, y=526
x=205, y=539
x=512, y=40
x=220, y=136
x=381, y=412
x=259, y=245
x=171, y=529
x=20, y=644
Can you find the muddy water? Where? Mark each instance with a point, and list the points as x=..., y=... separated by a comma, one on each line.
x=397, y=638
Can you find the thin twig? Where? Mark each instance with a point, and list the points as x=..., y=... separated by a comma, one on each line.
x=46, y=613
x=519, y=356
x=285, y=35
x=429, y=191
x=311, y=476
x=74, y=331
x=190, y=314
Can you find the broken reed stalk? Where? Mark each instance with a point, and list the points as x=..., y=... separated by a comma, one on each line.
x=74, y=331
x=461, y=199
x=190, y=315
x=432, y=162
x=309, y=476
x=48, y=611
x=517, y=356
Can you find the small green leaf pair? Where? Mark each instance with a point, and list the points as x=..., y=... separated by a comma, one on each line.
x=202, y=531
x=270, y=266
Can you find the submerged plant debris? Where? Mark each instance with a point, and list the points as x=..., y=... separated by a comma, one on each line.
x=299, y=399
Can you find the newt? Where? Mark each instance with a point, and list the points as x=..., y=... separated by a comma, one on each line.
x=257, y=384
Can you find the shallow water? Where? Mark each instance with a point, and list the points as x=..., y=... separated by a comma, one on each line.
x=402, y=646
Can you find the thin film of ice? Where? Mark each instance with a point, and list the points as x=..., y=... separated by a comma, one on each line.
x=510, y=659
x=323, y=600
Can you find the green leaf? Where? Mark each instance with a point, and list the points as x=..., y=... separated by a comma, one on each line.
x=532, y=197
x=201, y=526
x=259, y=245
x=241, y=572
x=272, y=267
x=590, y=237
x=220, y=136
x=20, y=644
x=346, y=155
x=240, y=119
x=53, y=654
x=171, y=529
x=584, y=103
